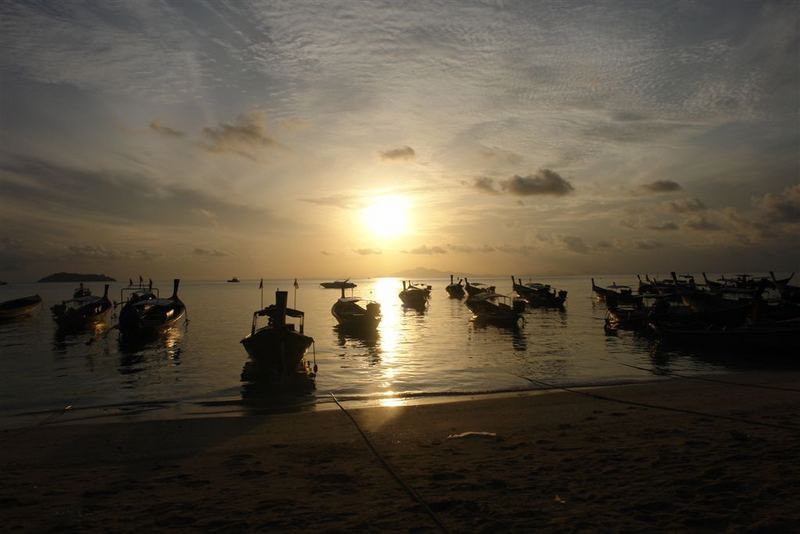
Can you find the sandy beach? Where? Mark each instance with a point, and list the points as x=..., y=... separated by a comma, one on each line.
x=673, y=455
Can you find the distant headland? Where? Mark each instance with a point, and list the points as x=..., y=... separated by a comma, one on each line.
x=77, y=277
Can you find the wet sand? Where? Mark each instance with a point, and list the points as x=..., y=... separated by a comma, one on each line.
x=722, y=457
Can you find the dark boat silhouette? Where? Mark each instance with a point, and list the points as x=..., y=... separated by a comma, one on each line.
x=145, y=313
x=234, y=280
x=21, y=307
x=539, y=295
x=277, y=350
x=339, y=284
x=414, y=296
x=455, y=290
x=82, y=310
x=494, y=308
x=351, y=315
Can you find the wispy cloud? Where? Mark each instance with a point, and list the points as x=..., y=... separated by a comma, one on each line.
x=783, y=207
x=544, y=182
x=648, y=244
x=347, y=202
x=663, y=227
x=245, y=136
x=425, y=249
x=659, y=186
x=405, y=153
x=486, y=185
x=702, y=224
x=367, y=251
x=165, y=130
x=686, y=205
x=574, y=244
x=98, y=252
x=209, y=252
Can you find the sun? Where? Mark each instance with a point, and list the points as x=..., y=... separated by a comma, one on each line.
x=386, y=217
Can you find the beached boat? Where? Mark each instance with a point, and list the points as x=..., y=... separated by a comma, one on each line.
x=455, y=290
x=21, y=307
x=414, y=296
x=339, y=284
x=352, y=315
x=233, y=280
x=496, y=309
x=278, y=349
x=539, y=295
x=83, y=309
x=145, y=313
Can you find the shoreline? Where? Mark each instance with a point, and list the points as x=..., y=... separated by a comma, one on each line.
x=664, y=455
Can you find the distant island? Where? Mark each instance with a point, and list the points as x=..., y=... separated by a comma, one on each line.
x=77, y=277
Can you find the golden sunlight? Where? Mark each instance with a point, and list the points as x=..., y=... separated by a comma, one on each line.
x=386, y=217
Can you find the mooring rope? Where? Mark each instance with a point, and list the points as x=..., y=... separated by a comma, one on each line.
x=408, y=489
x=657, y=406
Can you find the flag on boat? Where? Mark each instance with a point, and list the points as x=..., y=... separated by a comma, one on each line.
x=261, y=284
x=296, y=285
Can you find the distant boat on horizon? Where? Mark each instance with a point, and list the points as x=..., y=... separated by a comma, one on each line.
x=339, y=284
x=234, y=280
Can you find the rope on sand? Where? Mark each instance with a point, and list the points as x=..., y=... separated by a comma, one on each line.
x=408, y=489
x=657, y=406
x=701, y=378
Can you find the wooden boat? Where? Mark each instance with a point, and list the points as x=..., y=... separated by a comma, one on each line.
x=351, y=315
x=455, y=290
x=82, y=309
x=778, y=335
x=277, y=350
x=233, y=280
x=414, y=296
x=539, y=295
x=21, y=307
x=494, y=308
x=473, y=288
x=339, y=284
x=145, y=313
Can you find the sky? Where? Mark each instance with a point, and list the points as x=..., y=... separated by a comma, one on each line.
x=211, y=139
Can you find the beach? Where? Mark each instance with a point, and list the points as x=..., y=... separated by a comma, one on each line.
x=703, y=454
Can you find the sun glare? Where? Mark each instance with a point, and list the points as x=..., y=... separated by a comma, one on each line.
x=386, y=217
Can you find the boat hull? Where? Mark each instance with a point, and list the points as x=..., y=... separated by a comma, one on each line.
x=22, y=307
x=278, y=351
x=144, y=318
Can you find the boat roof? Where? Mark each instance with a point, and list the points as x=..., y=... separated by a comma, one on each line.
x=353, y=299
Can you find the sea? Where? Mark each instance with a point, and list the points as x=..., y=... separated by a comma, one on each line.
x=196, y=368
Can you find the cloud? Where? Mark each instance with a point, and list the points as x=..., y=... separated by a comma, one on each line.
x=499, y=155
x=95, y=252
x=205, y=252
x=605, y=245
x=522, y=250
x=325, y=253
x=165, y=130
x=424, y=249
x=659, y=186
x=783, y=207
x=117, y=196
x=405, y=153
x=544, y=182
x=648, y=244
x=245, y=136
x=486, y=185
x=470, y=249
x=339, y=201
x=702, y=224
x=663, y=227
x=574, y=244
x=686, y=205
x=367, y=251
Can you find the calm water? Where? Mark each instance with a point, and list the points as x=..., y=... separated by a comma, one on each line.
x=413, y=355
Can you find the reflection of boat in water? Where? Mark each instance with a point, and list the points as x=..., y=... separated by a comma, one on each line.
x=351, y=315
x=455, y=290
x=277, y=349
x=145, y=314
x=82, y=310
x=414, y=296
x=494, y=309
x=234, y=280
x=21, y=307
x=339, y=284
